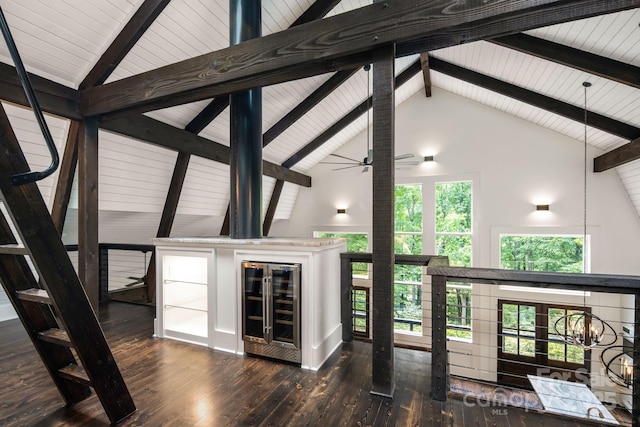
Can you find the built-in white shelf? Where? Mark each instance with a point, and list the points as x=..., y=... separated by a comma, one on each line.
x=199, y=294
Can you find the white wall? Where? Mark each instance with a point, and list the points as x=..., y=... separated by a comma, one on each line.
x=515, y=164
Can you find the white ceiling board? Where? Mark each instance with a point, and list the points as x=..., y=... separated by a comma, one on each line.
x=62, y=40
x=615, y=36
x=206, y=188
x=287, y=201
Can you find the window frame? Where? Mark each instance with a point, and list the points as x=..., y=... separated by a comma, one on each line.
x=589, y=253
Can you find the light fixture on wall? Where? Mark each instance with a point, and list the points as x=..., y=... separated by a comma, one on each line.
x=542, y=207
x=342, y=211
x=428, y=158
x=582, y=328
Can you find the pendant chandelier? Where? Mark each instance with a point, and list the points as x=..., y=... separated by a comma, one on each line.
x=618, y=364
x=584, y=329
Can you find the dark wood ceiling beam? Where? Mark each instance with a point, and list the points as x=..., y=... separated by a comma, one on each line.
x=618, y=157
x=124, y=41
x=53, y=97
x=426, y=74
x=88, y=251
x=347, y=119
x=544, y=102
x=208, y=114
x=316, y=11
x=588, y=62
x=342, y=41
x=273, y=206
x=465, y=33
x=158, y=133
x=64, y=184
x=307, y=104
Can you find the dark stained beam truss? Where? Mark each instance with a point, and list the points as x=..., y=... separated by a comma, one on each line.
x=588, y=62
x=88, y=265
x=294, y=53
x=426, y=73
x=544, y=102
x=158, y=133
x=208, y=114
x=65, y=177
x=224, y=230
x=316, y=11
x=53, y=97
x=126, y=39
x=273, y=205
x=618, y=157
x=347, y=119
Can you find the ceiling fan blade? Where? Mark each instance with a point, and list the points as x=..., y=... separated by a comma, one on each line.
x=404, y=156
x=336, y=163
x=343, y=157
x=347, y=167
x=415, y=163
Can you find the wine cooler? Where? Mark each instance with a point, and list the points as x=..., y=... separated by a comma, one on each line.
x=271, y=310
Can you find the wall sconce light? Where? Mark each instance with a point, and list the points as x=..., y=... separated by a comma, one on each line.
x=542, y=207
x=428, y=158
x=342, y=211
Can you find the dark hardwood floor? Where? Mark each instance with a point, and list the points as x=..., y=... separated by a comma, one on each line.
x=177, y=384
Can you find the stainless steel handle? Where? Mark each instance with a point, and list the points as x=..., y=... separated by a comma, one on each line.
x=268, y=302
x=264, y=307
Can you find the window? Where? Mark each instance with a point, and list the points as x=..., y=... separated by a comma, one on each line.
x=453, y=236
x=408, y=240
x=356, y=242
x=561, y=254
x=553, y=253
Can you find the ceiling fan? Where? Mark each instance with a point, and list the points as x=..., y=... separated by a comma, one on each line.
x=368, y=160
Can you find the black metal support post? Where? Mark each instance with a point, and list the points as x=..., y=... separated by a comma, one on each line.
x=635, y=399
x=346, y=300
x=439, y=365
x=245, y=219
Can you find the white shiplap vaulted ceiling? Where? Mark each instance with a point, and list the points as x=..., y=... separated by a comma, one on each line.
x=62, y=40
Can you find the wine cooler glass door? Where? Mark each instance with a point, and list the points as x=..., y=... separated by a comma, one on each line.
x=285, y=282
x=254, y=299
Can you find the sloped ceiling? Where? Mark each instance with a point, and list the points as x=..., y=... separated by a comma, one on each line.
x=63, y=40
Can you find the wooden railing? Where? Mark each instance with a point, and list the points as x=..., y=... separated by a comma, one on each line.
x=614, y=284
x=347, y=258
x=103, y=256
